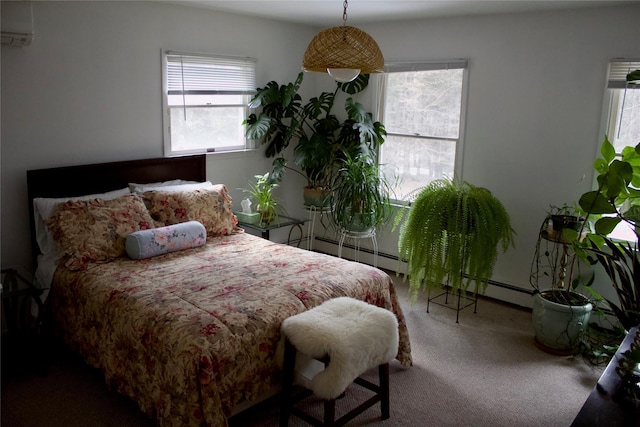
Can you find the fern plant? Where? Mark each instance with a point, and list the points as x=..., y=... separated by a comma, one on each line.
x=453, y=230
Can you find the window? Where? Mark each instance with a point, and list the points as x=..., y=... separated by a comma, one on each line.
x=205, y=101
x=421, y=106
x=623, y=126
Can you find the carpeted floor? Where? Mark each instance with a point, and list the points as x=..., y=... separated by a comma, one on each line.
x=483, y=371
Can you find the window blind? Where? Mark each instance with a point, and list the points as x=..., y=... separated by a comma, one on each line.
x=195, y=74
x=398, y=67
x=618, y=70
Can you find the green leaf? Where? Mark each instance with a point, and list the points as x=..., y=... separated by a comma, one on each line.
x=569, y=234
x=270, y=94
x=606, y=225
x=607, y=150
x=593, y=202
x=601, y=166
x=279, y=166
x=598, y=241
x=633, y=214
x=318, y=105
x=355, y=86
x=633, y=76
x=290, y=91
x=615, y=181
x=257, y=126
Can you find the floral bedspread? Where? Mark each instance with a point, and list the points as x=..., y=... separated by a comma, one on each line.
x=190, y=334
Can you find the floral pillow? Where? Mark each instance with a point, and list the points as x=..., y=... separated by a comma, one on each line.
x=210, y=206
x=163, y=240
x=90, y=231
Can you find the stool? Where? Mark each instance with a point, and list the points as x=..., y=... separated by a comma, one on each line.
x=350, y=337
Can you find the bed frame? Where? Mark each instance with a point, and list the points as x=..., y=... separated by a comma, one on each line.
x=102, y=177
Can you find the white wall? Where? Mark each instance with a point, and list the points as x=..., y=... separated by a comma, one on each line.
x=536, y=85
x=88, y=90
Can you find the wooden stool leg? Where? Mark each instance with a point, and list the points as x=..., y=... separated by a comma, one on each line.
x=383, y=373
x=329, y=412
x=288, y=371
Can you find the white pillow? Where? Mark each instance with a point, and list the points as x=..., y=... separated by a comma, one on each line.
x=43, y=208
x=177, y=188
x=139, y=188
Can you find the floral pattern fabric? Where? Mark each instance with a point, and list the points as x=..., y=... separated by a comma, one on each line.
x=162, y=240
x=211, y=206
x=191, y=334
x=90, y=231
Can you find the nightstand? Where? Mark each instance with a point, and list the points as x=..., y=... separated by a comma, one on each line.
x=22, y=311
x=279, y=222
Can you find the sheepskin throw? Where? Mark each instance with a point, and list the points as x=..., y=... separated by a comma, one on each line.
x=355, y=335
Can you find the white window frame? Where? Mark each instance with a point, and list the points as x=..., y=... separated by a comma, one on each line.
x=404, y=66
x=214, y=82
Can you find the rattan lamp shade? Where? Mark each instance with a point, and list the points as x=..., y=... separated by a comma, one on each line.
x=343, y=47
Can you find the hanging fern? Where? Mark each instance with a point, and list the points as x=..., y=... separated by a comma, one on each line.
x=453, y=230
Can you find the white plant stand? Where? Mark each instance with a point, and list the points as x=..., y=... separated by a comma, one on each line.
x=357, y=237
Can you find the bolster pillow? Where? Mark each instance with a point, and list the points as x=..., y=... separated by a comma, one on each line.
x=157, y=241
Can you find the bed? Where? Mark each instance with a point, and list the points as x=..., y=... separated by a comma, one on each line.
x=190, y=333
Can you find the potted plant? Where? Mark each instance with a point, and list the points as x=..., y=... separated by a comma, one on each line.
x=360, y=194
x=616, y=201
x=561, y=218
x=452, y=230
x=261, y=191
x=320, y=137
x=560, y=311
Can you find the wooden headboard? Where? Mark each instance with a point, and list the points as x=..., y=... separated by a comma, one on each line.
x=102, y=177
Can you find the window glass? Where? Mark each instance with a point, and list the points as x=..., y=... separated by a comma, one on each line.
x=422, y=116
x=625, y=118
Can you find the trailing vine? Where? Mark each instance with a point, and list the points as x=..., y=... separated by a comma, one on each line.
x=453, y=230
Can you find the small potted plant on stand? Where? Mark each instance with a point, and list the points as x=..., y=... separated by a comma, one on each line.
x=261, y=192
x=360, y=195
x=562, y=218
x=560, y=313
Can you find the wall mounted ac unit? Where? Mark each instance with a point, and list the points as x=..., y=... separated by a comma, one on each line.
x=16, y=39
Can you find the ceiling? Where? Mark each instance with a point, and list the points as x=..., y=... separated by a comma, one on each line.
x=326, y=13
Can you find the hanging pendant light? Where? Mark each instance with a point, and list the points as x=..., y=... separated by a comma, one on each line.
x=344, y=52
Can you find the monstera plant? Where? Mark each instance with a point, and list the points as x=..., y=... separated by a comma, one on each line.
x=320, y=138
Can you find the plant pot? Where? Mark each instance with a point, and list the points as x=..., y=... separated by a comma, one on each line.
x=358, y=222
x=554, y=231
x=266, y=215
x=318, y=197
x=559, y=327
x=559, y=222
